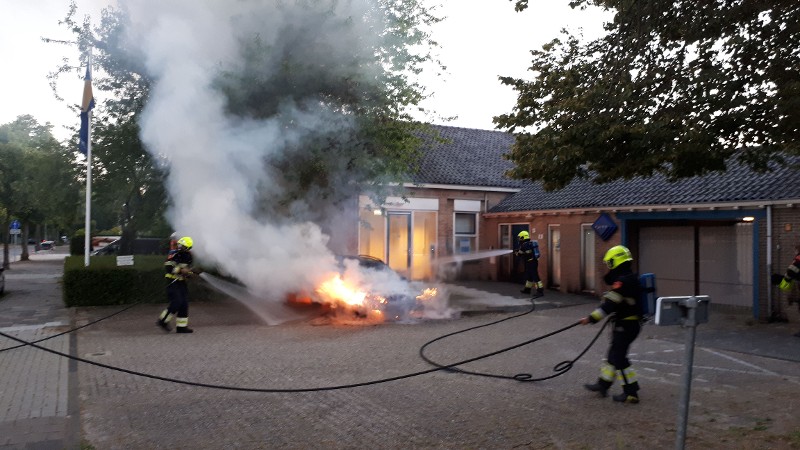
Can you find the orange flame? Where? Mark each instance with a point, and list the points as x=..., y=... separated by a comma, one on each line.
x=357, y=302
x=337, y=290
x=427, y=294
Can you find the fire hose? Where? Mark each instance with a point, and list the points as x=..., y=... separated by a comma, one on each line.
x=560, y=368
x=24, y=343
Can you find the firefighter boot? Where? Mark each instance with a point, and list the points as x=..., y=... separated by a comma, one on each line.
x=163, y=321
x=164, y=325
x=601, y=387
x=182, y=325
x=630, y=393
x=527, y=288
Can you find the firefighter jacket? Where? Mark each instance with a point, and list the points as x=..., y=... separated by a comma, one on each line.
x=792, y=274
x=529, y=250
x=623, y=300
x=177, y=260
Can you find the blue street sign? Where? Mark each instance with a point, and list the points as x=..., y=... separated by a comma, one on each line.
x=15, y=225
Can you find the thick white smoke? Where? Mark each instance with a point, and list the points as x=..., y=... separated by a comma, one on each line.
x=216, y=160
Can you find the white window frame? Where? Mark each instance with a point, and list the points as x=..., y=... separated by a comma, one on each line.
x=463, y=207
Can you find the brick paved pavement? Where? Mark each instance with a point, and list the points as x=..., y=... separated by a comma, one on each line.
x=35, y=407
x=437, y=410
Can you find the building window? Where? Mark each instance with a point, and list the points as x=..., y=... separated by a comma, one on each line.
x=466, y=232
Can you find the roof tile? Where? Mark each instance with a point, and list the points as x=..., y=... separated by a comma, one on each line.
x=468, y=157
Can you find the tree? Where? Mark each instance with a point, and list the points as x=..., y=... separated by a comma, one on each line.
x=371, y=89
x=10, y=156
x=679, y=88
x=367, y=138
x=38, y=182
x=127, y=184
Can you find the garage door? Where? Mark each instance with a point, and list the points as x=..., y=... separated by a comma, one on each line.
x=726, y=264
x=668, y=252
x=723, y=264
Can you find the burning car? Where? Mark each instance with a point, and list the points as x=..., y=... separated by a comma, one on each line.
x=367, y=288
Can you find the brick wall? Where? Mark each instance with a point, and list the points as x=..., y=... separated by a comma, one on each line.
x=447, y=199
x=445, y=226
x=570, y=229
x=785, y=236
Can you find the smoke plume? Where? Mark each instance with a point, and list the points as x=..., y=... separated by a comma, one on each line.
x=219, y=180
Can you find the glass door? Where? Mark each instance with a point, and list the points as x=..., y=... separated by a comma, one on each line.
x=554, y=256
x=399, y=239
x=424, y=243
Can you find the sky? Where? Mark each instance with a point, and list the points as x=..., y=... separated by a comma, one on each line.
x=480, y=40
x=219, y=165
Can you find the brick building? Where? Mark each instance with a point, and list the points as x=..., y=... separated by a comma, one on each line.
x=439, y=213
x=721, y=234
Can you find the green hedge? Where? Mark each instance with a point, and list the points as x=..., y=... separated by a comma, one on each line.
x=76, y=243
x=103, y=283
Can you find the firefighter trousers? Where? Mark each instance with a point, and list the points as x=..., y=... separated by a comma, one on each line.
x=178, y=296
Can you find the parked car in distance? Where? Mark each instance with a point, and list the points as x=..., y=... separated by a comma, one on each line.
x=109, y=249
x=47, y=245
x=139, y=246
x=100, y=241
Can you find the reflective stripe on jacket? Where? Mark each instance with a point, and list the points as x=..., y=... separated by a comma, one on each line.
x=622, y=300
x=175, y=262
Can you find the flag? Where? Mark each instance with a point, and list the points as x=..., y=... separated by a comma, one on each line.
x=86, y=106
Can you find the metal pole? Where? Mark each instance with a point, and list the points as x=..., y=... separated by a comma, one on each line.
x=769, y=261
x=87, y=227
x=683, y=405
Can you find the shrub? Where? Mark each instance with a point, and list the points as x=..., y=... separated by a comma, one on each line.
x=104, y=283
x=76, y=242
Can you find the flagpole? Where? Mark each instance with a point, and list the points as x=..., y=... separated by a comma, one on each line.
x=87, y=227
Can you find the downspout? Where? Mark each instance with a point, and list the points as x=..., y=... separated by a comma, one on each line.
x=769, y=262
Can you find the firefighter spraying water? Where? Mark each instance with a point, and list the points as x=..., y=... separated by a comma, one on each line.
x=529, y=251
x=178, y=269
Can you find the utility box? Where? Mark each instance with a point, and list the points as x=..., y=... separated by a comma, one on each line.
x=675, y=310
x=648, y=284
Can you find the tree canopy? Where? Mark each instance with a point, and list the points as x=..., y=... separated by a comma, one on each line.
x=127, y=182
x=679, y=88
x=321, y=63
x=38, y=179
x=359, y=79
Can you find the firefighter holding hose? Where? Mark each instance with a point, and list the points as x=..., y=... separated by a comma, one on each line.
x=529, y=251
x=624, y=302
x=178, y=269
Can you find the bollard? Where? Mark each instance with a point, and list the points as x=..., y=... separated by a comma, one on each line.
x=687, y=312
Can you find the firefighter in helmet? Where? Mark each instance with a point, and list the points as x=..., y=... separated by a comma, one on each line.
x=791, y=276
x=178, y=268
x=623, y=303
x=529, y=251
